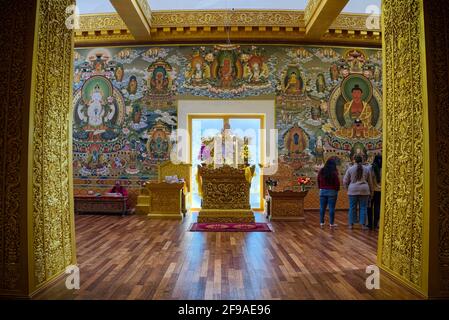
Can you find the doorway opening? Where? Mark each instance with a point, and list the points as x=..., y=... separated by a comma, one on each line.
x=245, y=145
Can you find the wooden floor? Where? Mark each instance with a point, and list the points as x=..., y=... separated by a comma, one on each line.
x=134, y=257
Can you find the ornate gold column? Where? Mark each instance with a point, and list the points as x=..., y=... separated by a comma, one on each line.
x=36, y=206
x=413, y=242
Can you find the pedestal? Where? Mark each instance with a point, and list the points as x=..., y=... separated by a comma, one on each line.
x=166, y=200
x=286, y=205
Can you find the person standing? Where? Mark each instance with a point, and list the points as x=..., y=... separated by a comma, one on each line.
x=358, y=182
x=374, y=209
x=329, y=185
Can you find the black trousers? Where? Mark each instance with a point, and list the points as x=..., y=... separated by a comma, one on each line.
x=374, y=211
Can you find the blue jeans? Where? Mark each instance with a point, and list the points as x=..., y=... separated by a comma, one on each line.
x=363, y=203
x=328, y=197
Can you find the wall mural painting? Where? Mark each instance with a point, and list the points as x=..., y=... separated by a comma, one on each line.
x=124, y=113
x=328, y=103
x=228, y=71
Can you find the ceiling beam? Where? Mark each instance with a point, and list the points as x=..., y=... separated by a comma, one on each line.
x=320, y=14
x=136, y=14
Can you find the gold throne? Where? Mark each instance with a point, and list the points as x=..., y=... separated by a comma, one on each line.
x=163, y=199
x=225, y=194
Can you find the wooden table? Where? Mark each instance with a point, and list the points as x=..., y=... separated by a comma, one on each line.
x=286, y=205
x=101, y=204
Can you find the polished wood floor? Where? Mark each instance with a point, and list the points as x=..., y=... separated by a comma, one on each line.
x=133, y=257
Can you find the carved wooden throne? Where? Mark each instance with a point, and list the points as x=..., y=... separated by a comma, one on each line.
x=225, y=195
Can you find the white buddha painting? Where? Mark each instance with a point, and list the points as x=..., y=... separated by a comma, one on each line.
x=95, y=111
x=98, y=110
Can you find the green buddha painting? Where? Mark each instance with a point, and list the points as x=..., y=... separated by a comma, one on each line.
x=357, y=110
x=354, y=113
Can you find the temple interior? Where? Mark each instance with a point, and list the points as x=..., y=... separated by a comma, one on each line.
x=224, y=150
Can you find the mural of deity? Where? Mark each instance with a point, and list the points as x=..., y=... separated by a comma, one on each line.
x=159, y=142
x=119, y=73
x=136, y=113
x=356, y=59
x=328, y=102
x=98, y=107
x=258, y=70
x=295, y=140
x=293, y=83
x=132, y=85
x=358, y=149
x=227, y=71
x=320, y=83
x=319, y=151
x=226, y=67
x=358, y=113
x=199, y=70
x=159, y=80
x=159, y=77
x=377, y=73
x=334, y=73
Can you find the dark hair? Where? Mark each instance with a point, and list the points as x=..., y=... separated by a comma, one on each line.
x=329, y=170
x=377, y=166
x=356, y=87
x=359, y=161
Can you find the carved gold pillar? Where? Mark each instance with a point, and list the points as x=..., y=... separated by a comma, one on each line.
x=36, y=206
x=413, y=242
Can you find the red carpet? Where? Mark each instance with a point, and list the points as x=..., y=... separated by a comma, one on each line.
x=230, y=227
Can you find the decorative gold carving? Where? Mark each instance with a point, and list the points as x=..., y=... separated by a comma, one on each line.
x=311, y=7
x=158, y=197
x=353, y=22
x=207, y=25
x=287, y=205
x=166, y=199
x=52, y=208
x=97, y=22
x=401, y=241
x=437, y=24
x=144, y=6
x=352, y=37
x=225, y=195
x=188, y=18
x=234, y=218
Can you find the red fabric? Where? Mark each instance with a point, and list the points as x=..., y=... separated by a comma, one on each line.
x=119, y=190
x=323, y=184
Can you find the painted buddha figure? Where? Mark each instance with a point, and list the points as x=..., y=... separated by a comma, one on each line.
x=293, y=85
x=226, y=74
x=358, y=117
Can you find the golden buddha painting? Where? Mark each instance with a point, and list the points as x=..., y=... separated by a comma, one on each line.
x=293, y=83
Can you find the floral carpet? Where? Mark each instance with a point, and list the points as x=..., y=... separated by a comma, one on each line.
x=230, y=227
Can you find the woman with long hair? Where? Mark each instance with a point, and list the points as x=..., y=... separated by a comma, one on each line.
x=376, y=177
x=358, y=182
x=329, y=185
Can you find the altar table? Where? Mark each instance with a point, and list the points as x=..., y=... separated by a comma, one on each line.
x=101, y=204
x=286, y=205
